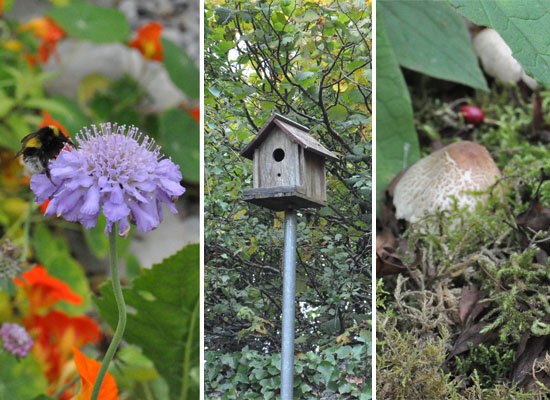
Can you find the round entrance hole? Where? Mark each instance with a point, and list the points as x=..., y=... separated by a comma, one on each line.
x=278, y=155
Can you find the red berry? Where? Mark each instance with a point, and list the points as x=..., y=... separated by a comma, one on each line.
x=472, y=115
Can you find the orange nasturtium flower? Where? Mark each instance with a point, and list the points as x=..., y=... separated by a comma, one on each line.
x=57, y=334
x=147, y=41
x=88, y=370
x=44, y=290
x=46, y=29
x=195, y=112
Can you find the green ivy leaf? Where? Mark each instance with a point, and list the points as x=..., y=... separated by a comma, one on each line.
x=180, y=134
x=326, y=369
x=396, y=144
x=429, y=37
x=164, y=320
x=182, y=69
x=90, y=22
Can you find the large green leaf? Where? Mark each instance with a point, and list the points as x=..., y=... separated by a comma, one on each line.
x=164, y=320
x=87, y=21
x=182, y=69
x=20, y=379
x=429, y=37
x=524, y=26
x=396, y=140
x=180, y=135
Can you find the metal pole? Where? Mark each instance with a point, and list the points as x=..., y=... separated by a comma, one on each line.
x=289, y=290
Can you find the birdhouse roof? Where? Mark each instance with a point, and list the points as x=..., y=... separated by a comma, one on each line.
x=296, y=132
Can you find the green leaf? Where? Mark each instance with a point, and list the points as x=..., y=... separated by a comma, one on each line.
x=50, y=105
x=182, y=69
x=164, y=320
x=338, y=113
x=18, y=128
x=429, y=37
x=96, y=240
x=326, y=369
x=20, y=379
x=90, y=22
x=9, y=139
x=524, y=26
x=7, y=5
x=303, y=75
x=180, y=133
x=133, y=365
x=215, y=92
x=6, y=104
x=72, y=118
x=224, y=15
x=396, y=142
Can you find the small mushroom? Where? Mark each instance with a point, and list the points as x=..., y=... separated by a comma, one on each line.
x=497, y=60
x=455, y=171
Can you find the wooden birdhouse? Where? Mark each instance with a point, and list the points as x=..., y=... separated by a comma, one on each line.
x=289, y=166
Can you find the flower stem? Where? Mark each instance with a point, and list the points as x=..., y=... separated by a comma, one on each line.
x=58, y=394
x=117, y=337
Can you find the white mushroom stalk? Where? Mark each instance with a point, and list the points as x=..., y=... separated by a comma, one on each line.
x=457, y=172
x=497, y=60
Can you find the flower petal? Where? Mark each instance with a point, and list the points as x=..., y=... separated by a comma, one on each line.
x=91, y=205
x=42, y=187
x=67, y=203
x=145, y=215
x=114, y=212
x=171, y=187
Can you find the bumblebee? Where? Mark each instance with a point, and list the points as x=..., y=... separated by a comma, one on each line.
x=40, y=147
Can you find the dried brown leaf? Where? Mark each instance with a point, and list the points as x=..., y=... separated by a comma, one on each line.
x=468, y=298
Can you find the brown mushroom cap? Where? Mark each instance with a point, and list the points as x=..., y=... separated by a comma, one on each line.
x=456, y=170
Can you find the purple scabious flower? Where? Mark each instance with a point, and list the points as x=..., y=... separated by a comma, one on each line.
x=15, y=339
x=121, y=170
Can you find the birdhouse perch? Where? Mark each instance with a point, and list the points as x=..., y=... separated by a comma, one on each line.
x=289, y=166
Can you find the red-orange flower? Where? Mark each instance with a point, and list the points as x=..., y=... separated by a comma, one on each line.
x=195, y=112
x=147, y=41
x=44, y=291
x=88, y=370
x=57, y=333
x=46, y=29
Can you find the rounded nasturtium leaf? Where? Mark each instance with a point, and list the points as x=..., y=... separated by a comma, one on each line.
x=180, y=135
x=181, y=69
x=87, y=21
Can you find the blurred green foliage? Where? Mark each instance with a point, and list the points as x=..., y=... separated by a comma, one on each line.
x=25, y=103
x=310, y=61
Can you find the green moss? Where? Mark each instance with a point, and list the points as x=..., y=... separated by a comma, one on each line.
x=418, y=312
